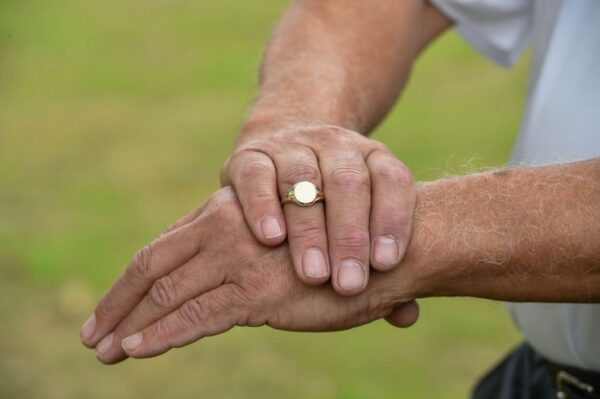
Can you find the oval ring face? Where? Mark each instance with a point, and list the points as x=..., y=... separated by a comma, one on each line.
x=305, y=192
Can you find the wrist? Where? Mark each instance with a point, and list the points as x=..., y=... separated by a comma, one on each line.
x=261, y=124
x=265, y=125
x=432, y=265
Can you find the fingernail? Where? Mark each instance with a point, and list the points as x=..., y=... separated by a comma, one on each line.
x=351, y=275
x=89, y=327
x=386, y=251
x=104, y=345
x=132, y=342
x=313, y=263
x=270, y=227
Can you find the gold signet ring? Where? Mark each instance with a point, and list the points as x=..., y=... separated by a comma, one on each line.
x=303, y=193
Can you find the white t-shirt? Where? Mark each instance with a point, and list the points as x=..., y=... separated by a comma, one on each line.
x=561, y=124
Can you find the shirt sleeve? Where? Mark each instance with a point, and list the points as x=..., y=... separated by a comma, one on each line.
x=500, y=29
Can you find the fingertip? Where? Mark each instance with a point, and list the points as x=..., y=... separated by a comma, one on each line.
x=93, y=341
x=404, y=315
x=104, y=349
x=86, y=344
x=271, y=230
x=99, y=358
x=386, y=253
x=89, y=344
x=352, y=278
x=110, y=361
x=313, y=268
x=88, y=332
x=88, y=328
x=132, y=342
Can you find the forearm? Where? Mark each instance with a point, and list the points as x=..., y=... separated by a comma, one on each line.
x=339, y=63
x=522, y=234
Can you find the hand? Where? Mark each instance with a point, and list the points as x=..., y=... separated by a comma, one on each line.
x=208, y=274
x=370, y=198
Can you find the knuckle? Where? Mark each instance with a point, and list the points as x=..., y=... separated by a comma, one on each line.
x=382, y=164
x=301, y=172
x=255, y=147
x=193, y=312
x=221, y=198
x=350, y=178
x=372, y=308
x=404, y=176
x=333, y=130
x=163, y=293
x=395, y=226
x=375, y=308
x=263, y=199
x=237, y=295
x=142, y=262
x=340, y=136
x=384, y=171
x=222, y=203
x=352, y=240
x=256, y=166
x=308, y=231
x=392, y=170
x=379, y=147
x=162, y=330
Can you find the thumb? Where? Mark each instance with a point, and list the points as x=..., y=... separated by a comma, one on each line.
x=404, y=315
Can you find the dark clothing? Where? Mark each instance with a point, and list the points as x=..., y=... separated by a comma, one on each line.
x=525, y=374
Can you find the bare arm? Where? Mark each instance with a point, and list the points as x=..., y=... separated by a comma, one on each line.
x=332, y=71
x=338, y=62
x=522, y=234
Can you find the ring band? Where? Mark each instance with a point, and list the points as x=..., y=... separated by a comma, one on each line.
x=303, y=193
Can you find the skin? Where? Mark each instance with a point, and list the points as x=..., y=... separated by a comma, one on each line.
x=523, y=234
x=349, y=61
x=370, y=200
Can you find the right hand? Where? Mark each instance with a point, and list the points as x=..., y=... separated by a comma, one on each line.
x=370, y=197
x=189, y=283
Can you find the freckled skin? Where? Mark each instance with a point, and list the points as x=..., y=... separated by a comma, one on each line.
x=502, y=173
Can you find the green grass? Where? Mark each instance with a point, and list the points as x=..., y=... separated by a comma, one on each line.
x=115, y=118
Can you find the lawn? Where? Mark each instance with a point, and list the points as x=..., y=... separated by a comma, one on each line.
x=115, y=118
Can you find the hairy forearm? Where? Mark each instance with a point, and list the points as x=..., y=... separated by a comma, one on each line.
x=339, y=62
x=520, y=234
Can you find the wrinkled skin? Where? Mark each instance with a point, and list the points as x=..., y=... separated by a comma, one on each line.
x=207, y=274
x=370, y=199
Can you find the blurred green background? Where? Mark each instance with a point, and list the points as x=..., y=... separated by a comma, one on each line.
x=115, y=118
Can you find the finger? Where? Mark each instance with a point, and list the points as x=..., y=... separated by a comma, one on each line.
x=209, y=314
x=393, y=202
x=185, y=220
x=166, y=295
x=150, y=263
x=404, y=315
x=348, y=202
x=307, y=235
x=253, y=176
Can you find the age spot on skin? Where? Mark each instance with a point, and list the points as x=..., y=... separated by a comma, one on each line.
x=502, y=173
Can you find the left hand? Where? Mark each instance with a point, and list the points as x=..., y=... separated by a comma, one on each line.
x=208, y=274
x=370, y=198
